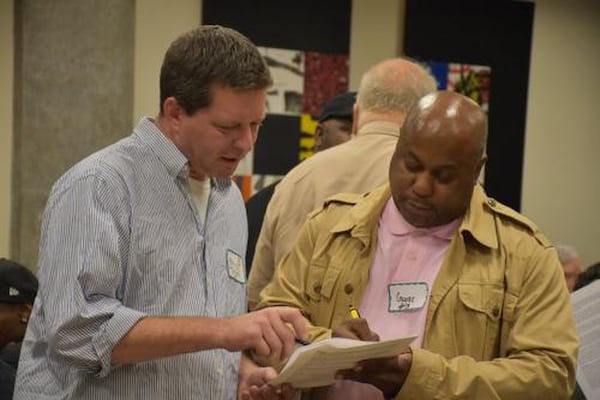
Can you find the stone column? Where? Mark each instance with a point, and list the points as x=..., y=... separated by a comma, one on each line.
x=73, y=95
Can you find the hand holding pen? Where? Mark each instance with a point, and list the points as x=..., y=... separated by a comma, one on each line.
x=355, y=327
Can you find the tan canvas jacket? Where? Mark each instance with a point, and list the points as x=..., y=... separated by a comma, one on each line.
x=499, y=323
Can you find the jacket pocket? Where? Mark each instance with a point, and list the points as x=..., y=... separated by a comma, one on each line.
x=321, y=282
x=320, y=291
x=479, y=324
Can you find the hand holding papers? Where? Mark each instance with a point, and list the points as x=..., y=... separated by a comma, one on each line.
x=316, y=364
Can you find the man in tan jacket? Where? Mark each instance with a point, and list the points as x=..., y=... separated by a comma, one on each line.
x=386, y=93
x=430, y=255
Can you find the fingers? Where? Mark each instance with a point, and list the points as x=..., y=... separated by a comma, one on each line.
x=294, y=317
x=355, y=328
x=271, y=337
x=259, y=388
x=273, y=340
x=287, y=343
x=267, y=392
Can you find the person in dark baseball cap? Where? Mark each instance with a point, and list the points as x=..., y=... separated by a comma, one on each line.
x=335, y=121
x=18, y=285
x=18, y=288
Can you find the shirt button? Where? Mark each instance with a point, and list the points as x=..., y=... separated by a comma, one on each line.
x=348, y=289
x=317, y=287
x=496, y=312
x=492, y=202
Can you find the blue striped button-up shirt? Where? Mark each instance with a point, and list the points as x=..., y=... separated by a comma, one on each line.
x=121, y=239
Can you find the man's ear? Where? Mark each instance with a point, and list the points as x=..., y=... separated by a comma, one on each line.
x=172, y=110
x=355, y=112
x=479, y=169
x=24, y=311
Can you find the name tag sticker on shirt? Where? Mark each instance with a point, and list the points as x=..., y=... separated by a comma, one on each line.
x=407, y=296
x=235, y=267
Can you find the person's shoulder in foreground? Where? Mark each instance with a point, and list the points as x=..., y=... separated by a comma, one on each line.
x=141, y=272
x=497, y=321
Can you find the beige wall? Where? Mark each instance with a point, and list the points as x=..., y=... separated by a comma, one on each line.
x=157, y=23
x=6, y=121
x=369, y=45
x=561, y=183
x=560, y=186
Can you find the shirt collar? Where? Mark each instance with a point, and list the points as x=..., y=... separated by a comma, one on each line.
x=398, y=225
x=175, y=162
x=379, y=128
x=166, y=151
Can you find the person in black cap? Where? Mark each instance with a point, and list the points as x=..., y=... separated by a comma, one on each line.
x=335, y=122
x=18, y=288
x=334, y=127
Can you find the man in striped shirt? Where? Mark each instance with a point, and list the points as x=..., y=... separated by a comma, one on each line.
x=142, y=281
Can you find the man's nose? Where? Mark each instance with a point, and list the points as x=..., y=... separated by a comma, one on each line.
x=247, y=138
x=423, y=185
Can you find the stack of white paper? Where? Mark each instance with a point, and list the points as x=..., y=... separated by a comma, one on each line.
x=316, y=364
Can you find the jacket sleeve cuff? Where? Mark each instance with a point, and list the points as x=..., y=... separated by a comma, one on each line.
x=424, y=377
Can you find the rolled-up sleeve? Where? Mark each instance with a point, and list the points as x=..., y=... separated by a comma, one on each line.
x=83, y=267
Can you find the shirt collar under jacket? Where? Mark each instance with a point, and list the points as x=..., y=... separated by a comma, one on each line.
x=399, y=226
x=364, y=217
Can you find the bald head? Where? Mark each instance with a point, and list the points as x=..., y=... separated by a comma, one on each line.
x=438, y=158
x=450, y=116
x=390, y=88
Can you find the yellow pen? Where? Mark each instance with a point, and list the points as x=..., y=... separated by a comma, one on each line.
x=354, y=312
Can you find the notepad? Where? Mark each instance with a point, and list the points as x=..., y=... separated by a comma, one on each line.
x=316, y=364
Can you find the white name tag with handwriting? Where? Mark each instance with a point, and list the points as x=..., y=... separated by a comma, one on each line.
x=235, y=267
x=407, y=296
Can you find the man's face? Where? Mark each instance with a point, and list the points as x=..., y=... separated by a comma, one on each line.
x=432, y=178
x=332, y=132
x=215, y=139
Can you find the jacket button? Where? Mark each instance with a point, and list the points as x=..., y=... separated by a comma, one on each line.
x=317, y=287
x=348, y=289
x=496, y=311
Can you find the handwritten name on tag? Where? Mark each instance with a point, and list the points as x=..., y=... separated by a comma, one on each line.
x=235, y=267
x=407, y=296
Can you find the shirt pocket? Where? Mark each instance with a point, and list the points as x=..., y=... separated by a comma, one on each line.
x=478, y=321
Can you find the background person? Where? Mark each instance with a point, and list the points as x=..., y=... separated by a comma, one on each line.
x=571, y=263
x=335, y=122
x=386, y=93
x=18, y=287
x=334, y=127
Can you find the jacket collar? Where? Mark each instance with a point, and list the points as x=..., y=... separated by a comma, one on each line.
x=479, y=220
x=363, y=219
